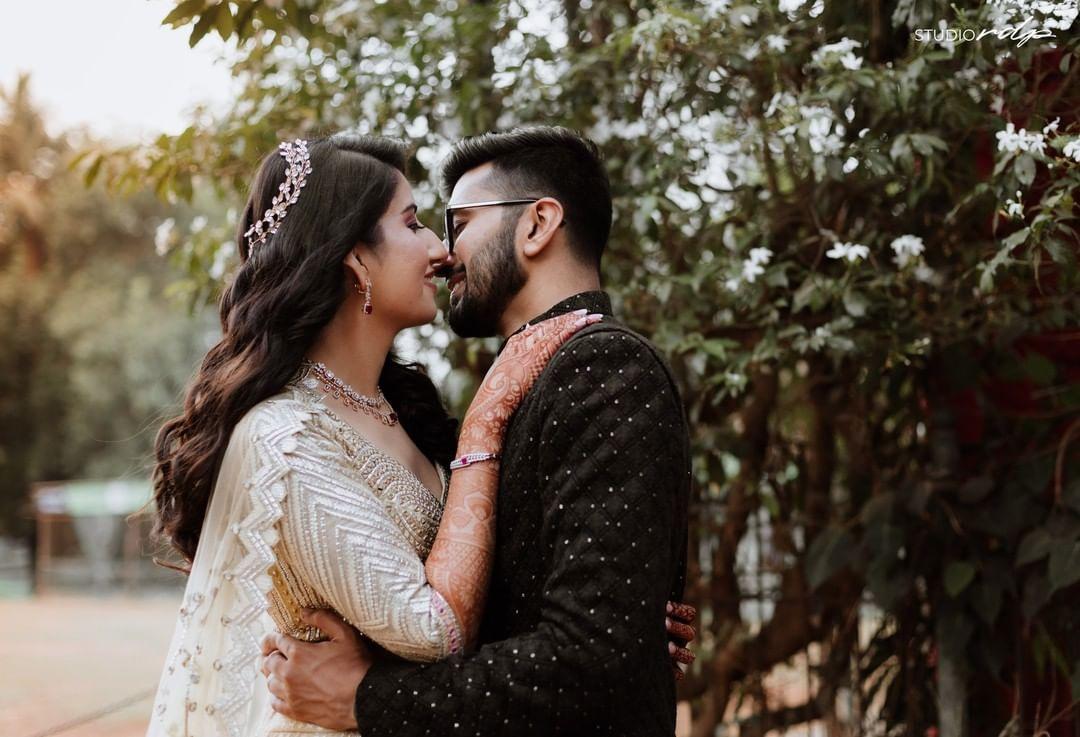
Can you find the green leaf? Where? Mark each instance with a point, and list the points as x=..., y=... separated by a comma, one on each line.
x=1024, y=168
x=975, y=490
x=204, y=26
x=1064, y=568
x=224, y=21
x=855, y=303
x=1039, y=369
x=184, y=12
x=925, y=144
x=93, y=170
x=987, y=602
x=1035, y=546
x=1036, y=594
x=1016, y=238
x=958, y=575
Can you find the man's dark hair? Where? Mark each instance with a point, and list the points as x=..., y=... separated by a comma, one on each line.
x=545, y=161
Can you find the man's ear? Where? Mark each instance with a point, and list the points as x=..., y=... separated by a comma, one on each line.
x=541, y=221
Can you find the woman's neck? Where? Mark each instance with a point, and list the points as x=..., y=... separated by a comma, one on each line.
x=354, y=347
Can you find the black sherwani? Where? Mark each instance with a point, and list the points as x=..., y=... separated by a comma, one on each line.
x=590, y=544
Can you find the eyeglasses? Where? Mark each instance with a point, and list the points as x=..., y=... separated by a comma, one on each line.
x=449, y=239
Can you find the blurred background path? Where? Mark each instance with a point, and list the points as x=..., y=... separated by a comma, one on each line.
x=78, y=654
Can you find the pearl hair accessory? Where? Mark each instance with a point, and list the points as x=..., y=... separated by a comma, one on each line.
x=296, y=155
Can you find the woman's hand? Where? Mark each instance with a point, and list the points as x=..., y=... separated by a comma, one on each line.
x=680, y=634
x=512, y=376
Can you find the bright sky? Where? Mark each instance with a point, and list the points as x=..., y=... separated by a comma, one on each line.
x=110, y=64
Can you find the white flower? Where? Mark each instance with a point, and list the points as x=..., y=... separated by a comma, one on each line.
x=1051, y=127
x=850, y=251
x=1015, y=208
x=1072, y=149
x=907, y=248
x=776, y=42
x=198, y=223
x=823, y=132
x=1012, y=140
x=163, y=236
x=751, y=270
x=925, y=274
x=851, y=165
x=735, y=381
x=790, y=6
x=851, y=61
x=760, y=255
x=732, y=284
x=842, y=51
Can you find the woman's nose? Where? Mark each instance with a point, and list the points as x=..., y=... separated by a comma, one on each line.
x=437, y=249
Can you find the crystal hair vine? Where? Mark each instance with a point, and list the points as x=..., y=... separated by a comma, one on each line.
x=295, y=154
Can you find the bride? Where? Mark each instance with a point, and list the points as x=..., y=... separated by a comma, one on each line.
x=311, y=468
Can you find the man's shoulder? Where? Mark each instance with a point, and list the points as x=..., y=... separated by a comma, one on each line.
x=605, y=346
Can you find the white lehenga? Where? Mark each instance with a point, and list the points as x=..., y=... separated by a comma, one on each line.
x=305, y=513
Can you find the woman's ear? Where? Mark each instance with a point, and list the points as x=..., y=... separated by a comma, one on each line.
x=542, y=222
x=355, y=266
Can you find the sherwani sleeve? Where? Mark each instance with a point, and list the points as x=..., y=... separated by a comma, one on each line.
x=339, y=538
x=613, y=460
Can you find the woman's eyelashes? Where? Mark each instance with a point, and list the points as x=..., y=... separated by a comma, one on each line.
x=416, y=226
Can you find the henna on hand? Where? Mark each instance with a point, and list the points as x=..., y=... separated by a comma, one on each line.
x=459, y=565
x=680, y=633
x=510, y=378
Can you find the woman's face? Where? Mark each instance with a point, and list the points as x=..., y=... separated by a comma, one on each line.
x=402, y=267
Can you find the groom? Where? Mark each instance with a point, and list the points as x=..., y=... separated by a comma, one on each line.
x=594, y=484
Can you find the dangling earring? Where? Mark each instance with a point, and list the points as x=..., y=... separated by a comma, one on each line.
x=367, y=296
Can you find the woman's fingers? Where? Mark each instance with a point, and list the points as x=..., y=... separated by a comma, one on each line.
x=685, y=612
x=679, y=630
x=680, y=654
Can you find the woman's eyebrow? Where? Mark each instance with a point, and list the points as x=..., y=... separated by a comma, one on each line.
x=411, y=207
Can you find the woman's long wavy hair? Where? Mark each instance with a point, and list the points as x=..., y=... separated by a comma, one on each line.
x=284, y=292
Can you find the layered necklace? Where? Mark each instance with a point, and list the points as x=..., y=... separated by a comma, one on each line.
x=377, y=406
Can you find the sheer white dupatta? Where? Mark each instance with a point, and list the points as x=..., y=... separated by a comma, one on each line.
x=211, y=684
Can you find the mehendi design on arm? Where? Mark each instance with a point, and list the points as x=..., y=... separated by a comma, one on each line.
x=461, y=557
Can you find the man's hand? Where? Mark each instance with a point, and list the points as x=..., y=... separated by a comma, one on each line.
x=680, y=633
x=316, y=681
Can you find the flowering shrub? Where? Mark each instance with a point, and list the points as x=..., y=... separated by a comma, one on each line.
x=852, y=230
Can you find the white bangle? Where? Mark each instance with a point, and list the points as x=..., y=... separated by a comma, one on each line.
x=470, y=458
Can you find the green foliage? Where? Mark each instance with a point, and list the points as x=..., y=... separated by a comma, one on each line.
x=93, y=355
x=866, y=283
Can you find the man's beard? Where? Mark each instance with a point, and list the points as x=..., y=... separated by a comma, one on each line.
x=494, y=278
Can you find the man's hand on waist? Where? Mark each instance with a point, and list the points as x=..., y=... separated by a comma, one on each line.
x=316, y=682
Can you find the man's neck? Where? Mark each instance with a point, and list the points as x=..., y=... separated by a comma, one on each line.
x=540, y=295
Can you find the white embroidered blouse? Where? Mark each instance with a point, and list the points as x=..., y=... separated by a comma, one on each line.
x=305, y=513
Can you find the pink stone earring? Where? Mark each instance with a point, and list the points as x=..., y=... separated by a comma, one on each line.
x=367, y=297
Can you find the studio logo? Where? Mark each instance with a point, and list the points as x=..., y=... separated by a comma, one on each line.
x=1015, y=20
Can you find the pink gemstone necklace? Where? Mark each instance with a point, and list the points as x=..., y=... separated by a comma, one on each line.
x=377, y=407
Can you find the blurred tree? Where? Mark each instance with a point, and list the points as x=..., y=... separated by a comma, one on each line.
x=93, y=355
x=857, y=247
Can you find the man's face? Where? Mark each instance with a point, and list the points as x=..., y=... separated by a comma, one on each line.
x=486, y=271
